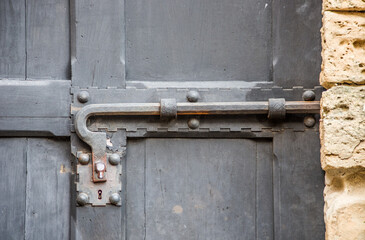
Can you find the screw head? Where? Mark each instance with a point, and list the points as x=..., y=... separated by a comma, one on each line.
x=193, y=96
x=309, y=95
x=83, y=96
x=114, y=159
x=193, y=123
x=309, y=121
x=82, y=199
x=114, y=198
x=84, y=158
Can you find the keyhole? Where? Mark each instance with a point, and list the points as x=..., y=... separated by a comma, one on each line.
x=99, y=194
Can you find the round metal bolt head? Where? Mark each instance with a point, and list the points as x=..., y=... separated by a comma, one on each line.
x=82, y=199
x=309, y=121
x=83, y=96
x=114, y=198
x=309, y=95
x=84, y=158
x=114, y=159
x=193, y=123
x=193, y=96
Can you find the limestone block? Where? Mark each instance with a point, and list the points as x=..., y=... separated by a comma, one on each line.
x=352, y=5
x=343, y=48
x=344, y=196
x=342, y=127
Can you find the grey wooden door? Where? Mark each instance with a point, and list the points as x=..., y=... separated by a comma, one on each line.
x=191, y=177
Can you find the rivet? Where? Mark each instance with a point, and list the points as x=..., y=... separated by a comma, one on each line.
x=114, y=159
x=84, y=158
x=193, y=123
x=83, y=97
x=114, y=198
x=309, y=121
x=309, y=95
x=193, y=96
x=82, y=199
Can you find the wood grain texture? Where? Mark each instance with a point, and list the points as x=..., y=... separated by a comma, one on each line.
x=35, y=98
x=135, y=190
x=98, y=223
x=198, y=189
x=298, y=186
x=48, y=189
x=264, y=191
x=12, y=39
x=48, y=39
x=198, y=40
x=98, y=43
x=13, y=163
x=296, y=42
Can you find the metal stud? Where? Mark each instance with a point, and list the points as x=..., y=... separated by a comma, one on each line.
x=100, y=169
x=82, y=199
x=114, y=159
x=114, y=198
x=83, y=96
x=193, y=123
x=309, y=95
x=84, y=158
x=193, y=96
x=309, y=121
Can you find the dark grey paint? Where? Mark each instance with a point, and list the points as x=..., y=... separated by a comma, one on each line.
x=12, y=39
x=203, y=40
x=296, y=42
x=48, y=189
x=198, y=40
x=199, y=189
x=48, y=39
x=298, y=186
x=34, y=108
x=13, y=165
x=98, y=43
x=35, y=179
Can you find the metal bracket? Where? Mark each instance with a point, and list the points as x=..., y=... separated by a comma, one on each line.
x=105, y=175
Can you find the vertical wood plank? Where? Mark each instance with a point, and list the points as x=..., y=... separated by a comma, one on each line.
x=296, y=42
x=98, y=43
x=98, y=223
x=48, y=189
x=298, y=186
x=200, y=189
x=135, y=190
x=264, y=191
x=13, y=182
x=48, y=39
x=12, y=39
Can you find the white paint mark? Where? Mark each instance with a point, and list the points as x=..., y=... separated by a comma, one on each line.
x=266, y=5
x=109, y=143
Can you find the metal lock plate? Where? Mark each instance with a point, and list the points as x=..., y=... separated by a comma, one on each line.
x=100, y=193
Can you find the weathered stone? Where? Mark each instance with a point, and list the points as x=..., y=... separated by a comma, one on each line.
x=343, y=127
x=352, y=5
x=345, y=204
x=343, y=44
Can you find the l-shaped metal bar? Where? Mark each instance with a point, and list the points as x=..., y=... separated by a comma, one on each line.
x=97, y=140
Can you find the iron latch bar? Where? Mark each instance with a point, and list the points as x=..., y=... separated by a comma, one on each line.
x=276, y=108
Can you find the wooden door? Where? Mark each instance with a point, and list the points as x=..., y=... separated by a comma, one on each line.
x=191, y=177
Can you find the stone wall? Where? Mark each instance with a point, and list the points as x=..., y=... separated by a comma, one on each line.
x=343, y=118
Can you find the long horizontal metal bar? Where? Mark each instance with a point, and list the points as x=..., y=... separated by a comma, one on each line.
x=97, y=139
x=206, y=108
